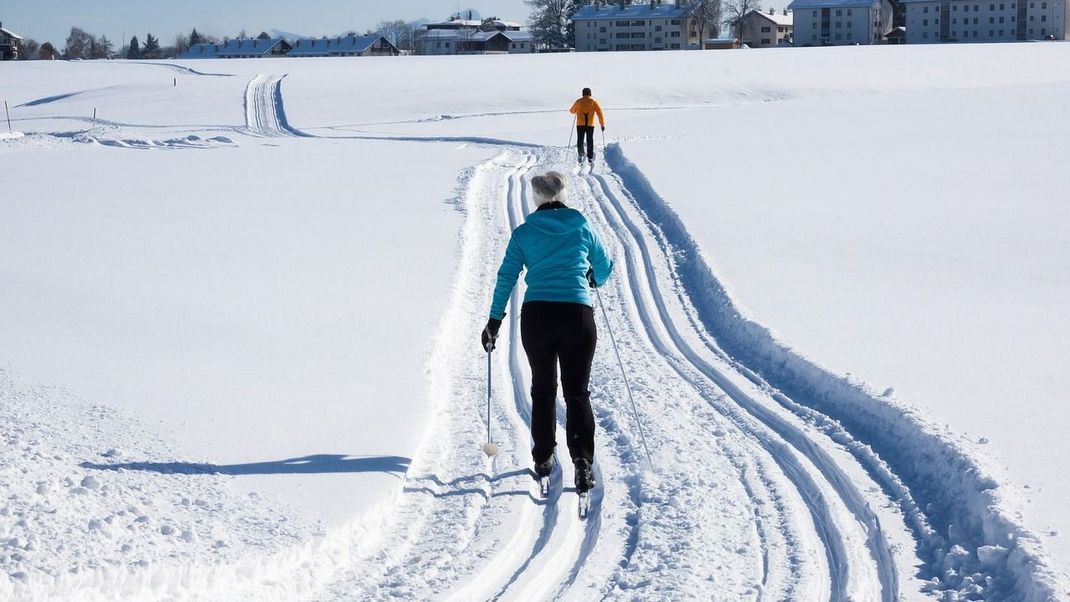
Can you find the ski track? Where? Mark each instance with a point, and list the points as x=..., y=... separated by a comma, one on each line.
x=265, y=114
x=799, y=510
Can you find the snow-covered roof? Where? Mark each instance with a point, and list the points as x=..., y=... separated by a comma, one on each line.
x=454, y=24
x=519, y=36
x=328, y=46
x=201, y=51
x=781, y=18
x=797, y=5
x=506, y=24
x=442, y=34
x=231, y=49
x=634, y=11
x=10, y=34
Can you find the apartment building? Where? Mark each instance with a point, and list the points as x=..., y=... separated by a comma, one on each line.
x=647, y=26
x=840, y=22
x=936, y=21
x=767, y=29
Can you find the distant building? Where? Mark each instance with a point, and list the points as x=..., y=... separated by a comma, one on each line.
x=936, y=21
x=767, y=29
x=646, y=26
x=9, y=44
x=840, y=22
x=353, y=45
x=720, y=44
x=239, y=49
x=467, y=36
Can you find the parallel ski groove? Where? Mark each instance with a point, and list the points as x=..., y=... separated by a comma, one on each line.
x=878, y=545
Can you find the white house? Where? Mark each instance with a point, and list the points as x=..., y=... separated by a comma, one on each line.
x=840, y=22
x=646, y=26
x=767, y=29
x=465, y=36
x=935, y=21
x=9, y=44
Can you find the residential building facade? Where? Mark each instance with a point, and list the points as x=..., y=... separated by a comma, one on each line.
x=647, y=26
x=936, y=21
x=470, y=36
x=767, y=29
x=9, y=44
x=840, y=22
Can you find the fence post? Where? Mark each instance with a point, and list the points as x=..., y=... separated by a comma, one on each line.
x=8, y=113
x=94, y=117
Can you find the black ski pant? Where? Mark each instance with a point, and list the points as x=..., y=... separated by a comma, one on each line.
x=562, y=333
x=585, y=132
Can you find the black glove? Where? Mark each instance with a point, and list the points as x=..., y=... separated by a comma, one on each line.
x=603, y=128
x=490, y=334
x=590, y=278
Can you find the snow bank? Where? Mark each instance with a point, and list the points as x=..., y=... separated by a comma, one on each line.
x=77, y=522
x=972, y=517
x=11, y=135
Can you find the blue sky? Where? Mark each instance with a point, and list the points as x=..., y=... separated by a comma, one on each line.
x=51, y=20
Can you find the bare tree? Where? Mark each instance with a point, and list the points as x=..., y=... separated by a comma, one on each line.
x=79, y=44
x=398, y=32
x=736, y=10
x=709, y=14
x=182, y=43
x=28, y=49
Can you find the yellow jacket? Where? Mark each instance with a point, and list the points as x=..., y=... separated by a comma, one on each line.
x=585, y=109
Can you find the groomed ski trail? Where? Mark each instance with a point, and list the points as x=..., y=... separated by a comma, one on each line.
x=265, y=115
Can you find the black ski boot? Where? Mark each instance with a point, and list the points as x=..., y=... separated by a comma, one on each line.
x=542, y=475
x=543, y=469
x=584, y=476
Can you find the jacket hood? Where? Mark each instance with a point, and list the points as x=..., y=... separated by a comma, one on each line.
x=556, y=221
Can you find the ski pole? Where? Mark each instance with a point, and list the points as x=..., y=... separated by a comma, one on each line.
x=623, y=373
x=571, y=130
x=490, y=449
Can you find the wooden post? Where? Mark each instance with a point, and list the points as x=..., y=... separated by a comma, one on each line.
x=94, y=117
x=8, y=113
x=176, y=82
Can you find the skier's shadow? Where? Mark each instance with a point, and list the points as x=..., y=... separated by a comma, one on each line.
x=469, y=485
x=315, y=464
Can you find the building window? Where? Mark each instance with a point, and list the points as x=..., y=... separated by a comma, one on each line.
x=925, y=22
x=675, y=46
x=657, y=40
x=601, y=30
x=674, y=34
x=991, y=33
x=657, y=28
x=991, y=7
x=848, y=12
x=839, y=25
x=1043, y=18
x=765, y=42
x=954, y=21
x=1001, y=19
x=766, y=30
x=925, y=9
x=991, y=20
x=925, y=34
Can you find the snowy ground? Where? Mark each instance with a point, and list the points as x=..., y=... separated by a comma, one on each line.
x=240, y=310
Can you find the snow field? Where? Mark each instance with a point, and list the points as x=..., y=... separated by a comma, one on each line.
x=776, y=478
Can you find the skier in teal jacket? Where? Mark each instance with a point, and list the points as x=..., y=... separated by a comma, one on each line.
x=564, y=258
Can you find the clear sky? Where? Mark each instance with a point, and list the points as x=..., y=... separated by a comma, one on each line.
x=51, y=20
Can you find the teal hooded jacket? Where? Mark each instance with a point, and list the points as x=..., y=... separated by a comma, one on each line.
x=557, y=246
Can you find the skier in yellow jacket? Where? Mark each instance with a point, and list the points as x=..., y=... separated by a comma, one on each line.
x=585, y=109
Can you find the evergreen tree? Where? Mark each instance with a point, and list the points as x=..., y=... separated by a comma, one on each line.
x=134, y=50
x=549, y=22
x=195, y=38
x=152, y=47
